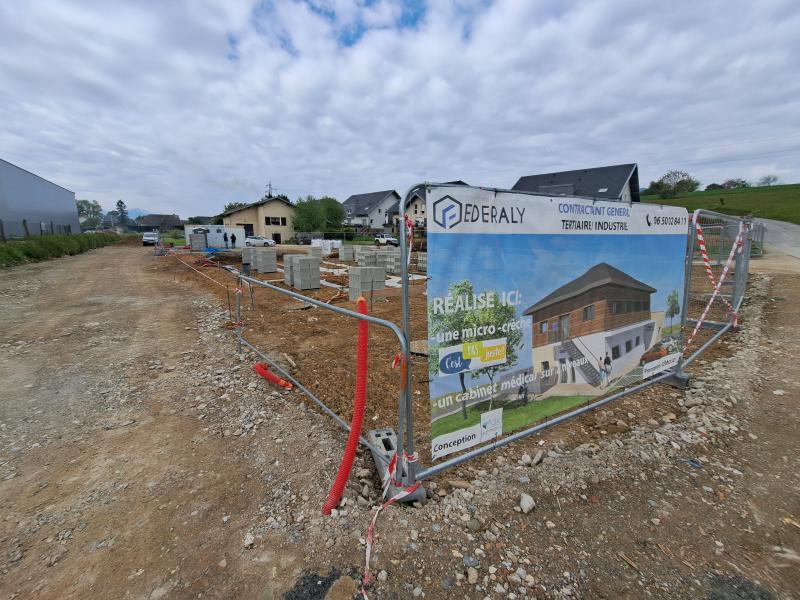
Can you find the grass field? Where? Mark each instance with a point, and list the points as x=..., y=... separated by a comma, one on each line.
x=781, y=202
x=515, y=414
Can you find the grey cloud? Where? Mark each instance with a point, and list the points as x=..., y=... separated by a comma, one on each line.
x=143, y=101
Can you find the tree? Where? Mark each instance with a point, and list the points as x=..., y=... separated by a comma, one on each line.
x=496, y=315
x=233, y=205
x=323, y=214
x=308, y=215
x=90, y=213
x=195, y=221
x=676, y=182
x=122, y=211
x=440, y=324
x=735, y=183
x=673, y=307
x=334, y=213
x=767, y=180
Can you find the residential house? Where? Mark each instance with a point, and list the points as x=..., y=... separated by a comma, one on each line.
x=615, y=182
x=603, y=312
x=158, y=222
x=371, y=210
x=270, y=217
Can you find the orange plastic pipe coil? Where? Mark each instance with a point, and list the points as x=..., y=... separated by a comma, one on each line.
x=337, y=490
x=262, y=370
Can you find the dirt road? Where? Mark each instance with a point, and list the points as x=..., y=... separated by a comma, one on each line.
x=140, y=458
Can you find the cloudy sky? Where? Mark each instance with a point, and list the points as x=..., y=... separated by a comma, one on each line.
x=186, y=105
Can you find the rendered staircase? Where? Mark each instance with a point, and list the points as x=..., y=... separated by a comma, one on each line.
x=589, y=372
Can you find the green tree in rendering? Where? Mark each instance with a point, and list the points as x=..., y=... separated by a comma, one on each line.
x=496, y=315
x=673, y=307
x=459, y=320
x=443, y=323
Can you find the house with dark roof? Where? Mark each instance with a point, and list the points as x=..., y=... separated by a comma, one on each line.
x=158, y=222
x=603, y=312
x=615, y=182
x=371, y=210
x=270, y=217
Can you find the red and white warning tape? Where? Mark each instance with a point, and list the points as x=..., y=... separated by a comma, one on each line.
x=410, y=243
x=707, y=263
x=736, y=247
x=387, y=480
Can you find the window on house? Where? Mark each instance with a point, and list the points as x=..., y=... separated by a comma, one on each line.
x=379, y=211
x=543, y=327
x=545, y=365
x=588, y=313
x=628, y=346
x=647, y=305
x=416, y=209
x=615, y=308
x=266, y=220
x=638, y=340
x=274, y=220
x=615, y=352
x=283, y=221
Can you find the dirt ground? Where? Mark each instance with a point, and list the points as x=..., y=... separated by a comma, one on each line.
x=141, y=458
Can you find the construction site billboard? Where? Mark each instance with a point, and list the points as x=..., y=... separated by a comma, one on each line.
x=539, y=304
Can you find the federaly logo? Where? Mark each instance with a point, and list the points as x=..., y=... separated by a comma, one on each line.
x=447, y=212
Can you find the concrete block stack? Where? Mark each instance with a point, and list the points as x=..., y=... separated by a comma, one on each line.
x=247, y=255
x=288, y=268
x=265, y=259
x=391, y=260
x=367, y=259
x=346, y=253
x=360, y=251
x=315, y=251
x=363, y=280
x=422, y=261
x=305, y=272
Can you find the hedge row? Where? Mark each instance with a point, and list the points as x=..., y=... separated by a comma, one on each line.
x=16, y=252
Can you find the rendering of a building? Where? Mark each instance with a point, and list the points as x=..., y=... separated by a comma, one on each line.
x=270, y=217
x=32, y=205
x=604, y=312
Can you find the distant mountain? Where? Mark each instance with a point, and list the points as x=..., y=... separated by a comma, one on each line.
x=137, y=212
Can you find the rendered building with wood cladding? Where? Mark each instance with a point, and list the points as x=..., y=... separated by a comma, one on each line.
x=604, y=312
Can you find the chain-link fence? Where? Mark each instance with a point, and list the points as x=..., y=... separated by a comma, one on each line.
x=25, y=228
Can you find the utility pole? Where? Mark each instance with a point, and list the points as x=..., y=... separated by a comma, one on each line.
x=269, y=189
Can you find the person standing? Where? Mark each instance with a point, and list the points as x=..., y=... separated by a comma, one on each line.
x=602, y=370
x=607, y=365
x=233, y=240
x=225, y=239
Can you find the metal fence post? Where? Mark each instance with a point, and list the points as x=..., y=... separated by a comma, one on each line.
x=238, y=315
x=407, y=395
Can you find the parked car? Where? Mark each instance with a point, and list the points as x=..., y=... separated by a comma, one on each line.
x=150, y=238
x=201, y=230
x=384, y=239
x=303, y=239
x=258, y=240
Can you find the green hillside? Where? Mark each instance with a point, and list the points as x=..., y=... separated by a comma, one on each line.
x=780, y=202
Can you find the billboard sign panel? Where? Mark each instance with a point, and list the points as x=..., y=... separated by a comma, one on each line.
x=538, y=304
